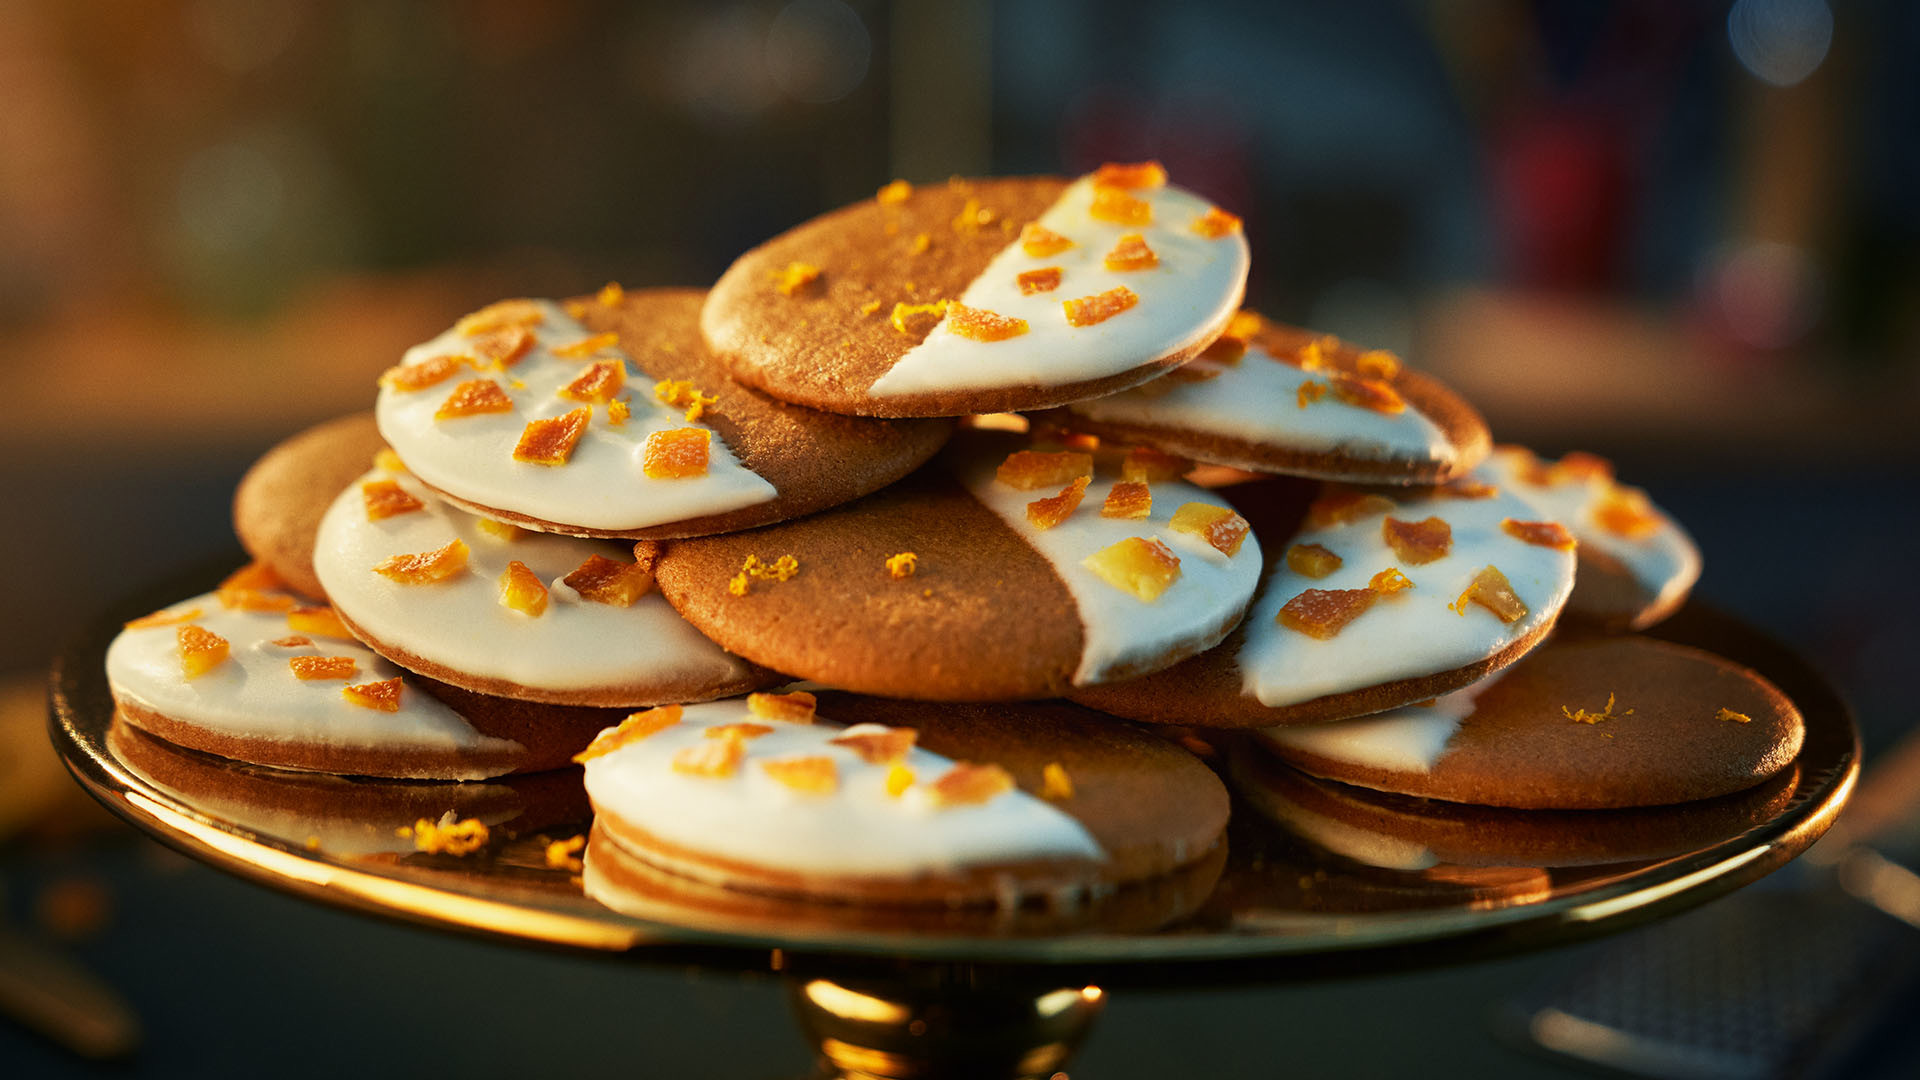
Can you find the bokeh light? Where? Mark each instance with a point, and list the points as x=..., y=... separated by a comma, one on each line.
x=1780, y=41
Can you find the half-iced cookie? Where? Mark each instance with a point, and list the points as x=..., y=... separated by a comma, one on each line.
x=1637, y=565
x=280, y=500
x=979, y=296
x=270, y=681
x=1275, y=398
x=993, y=573
x=1577, y=725
x=915, y=803
x=608, y=417
x=503, y=611
x=1382, y=598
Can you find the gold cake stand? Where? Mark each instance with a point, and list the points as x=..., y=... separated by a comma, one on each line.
x=967, y=992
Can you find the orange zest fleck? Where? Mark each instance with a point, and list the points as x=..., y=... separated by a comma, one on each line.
x=1582, y=716
x=795, y=277
x=1389, y=581
x=1098, y=308
x=914, y=320
x=682, y=393
x=753, y=569
x=903, y=565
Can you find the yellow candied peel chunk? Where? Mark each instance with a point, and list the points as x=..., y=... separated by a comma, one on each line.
x=240, y=598
x=318, y=619
x=598, y=384
x=201, y=650
x=1736, y=717
x=1547, y=534
x=794, y=708
x=1131, y=175
x=382, y=696
x=385, y=498
x=1112, y=204
x=254, y=575
x=1046, y=513
x=1216, y=223
x=1055, y=784
x=1582, y=716
x=894, y=193
x=915, y=320
x=1417, y=542
x=967, y=784
x=1131, y=253
x=500, y=530
x=450, y=837
x=407, y=378
x=1323, y=613
x=681, y=393
x=1098, y=308
x=902, y=565
x=899, y=779
x=610, y=295
x=1146, y=465
x=1128, y=500
x=1026, y=470
x=812, y=775
x=314, y=668
x=292, y=641
x=163, y=617
x=522, y=590
x=1312, y=560
x=475, y=397
x=1138, y=565
x=1375, y=395
x=426, y=567
x=587, y=346
x=1491, y=590
x=1039, y=241
x=1045, y=279
x=676, y=454
x=979, y=324
x=386, y=460
x=739, y=730
x=795, y=277
x=565, y=854
x=1377, y=364
x=870, y=307
x=635, y=727
x=1389, y=581
x=1627, y=513
x=877, y=745
x=609, y=581
x=714, y=759
x=503, y=348
x=551, y=440
x=1222, y=529
x=500, y=315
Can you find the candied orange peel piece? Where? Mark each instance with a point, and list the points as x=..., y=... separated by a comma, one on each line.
x=979, y=324
x=914, y=320
x=385, y=499
x=499, y=316
x=201, y=650
x=1548, y=534
x=1309, y=392
x=432, y=371
x=522, y=590
x=1045, y=279
x=1138, y=565
x=598, y=384
x=318, y=619
x=474, y=397
x=1626, y=512
x=292, y=641
x=1147, y=465
x=382, y=696
x=1377, y=364
x=1312, y=560
x=610, y=582
x=1045, y=513
x=254, y=575
x=1131, y=175
x=795, y=277
x=1127, y=500
x=741, y=729
x=635, y=727
x=551, y=440
x=1216, y=223
x=1339, y=507
x=500, y=530
x=1417, y=542
x=903, y=565
x=163, y=617
x=1736, y=717
x=1039, y=241
x=894, y=194
x=1491, y=590
x=1225, y=350
x=715, y=759
x=501, y=349
x=587, y=346
x=1466, y=489
x=794, y=708
x=1055, y=784
x=812, y=775
x=877, y=744
x=1323, y=613
x=1372, y=394
x=1389, y=581
x=242, y=598
x=426, y=567
x=312, y=668
x=1131, y=253
x=681, y=393
x=1114, y=205
x=388, y=461
x=1220, y=527
x=676, y=454
x=1098, y=308
x=967, y=784
x=1025, y=470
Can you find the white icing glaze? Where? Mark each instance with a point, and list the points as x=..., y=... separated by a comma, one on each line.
x=856, y=831
x=601, y=487
x=253, y=694
x=460, y=623
x=1125, y=635
x=1413, y=633
x=1257, y=401
x=1410, y=739
x=1666, y=563
x=1193, y=290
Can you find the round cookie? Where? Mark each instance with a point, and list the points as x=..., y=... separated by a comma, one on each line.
x=1396, y=831
x=990, y=607
x=822, y=315
x=916, y=803
x=1637, y=564
x=627, y=648
x=1455, y=623
x=1579, y=725
x=251, y=706
x=280, y=500
x=759, y=460
x=1275, y=398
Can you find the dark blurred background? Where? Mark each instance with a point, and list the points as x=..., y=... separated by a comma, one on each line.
x=1681, y=234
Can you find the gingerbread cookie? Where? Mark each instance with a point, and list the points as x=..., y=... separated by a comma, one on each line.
x=1274, y=398
x=1382, y=598
x=1637, y=565
x=994, y=573
x=252, y=674
x=982, y=295
x=503, y=611
x=613, y=420
x=280, y=500
x=916, y=803
x=1578, y=725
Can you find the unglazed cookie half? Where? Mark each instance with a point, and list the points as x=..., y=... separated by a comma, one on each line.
x=280, y=500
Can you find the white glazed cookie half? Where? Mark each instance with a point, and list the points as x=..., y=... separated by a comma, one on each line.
x=627, y=649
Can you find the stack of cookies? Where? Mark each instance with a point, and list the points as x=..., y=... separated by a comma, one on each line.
x=904, y=566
